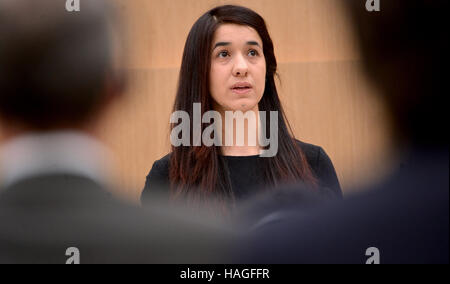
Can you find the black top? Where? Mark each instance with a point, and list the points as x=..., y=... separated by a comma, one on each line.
x=246, y=173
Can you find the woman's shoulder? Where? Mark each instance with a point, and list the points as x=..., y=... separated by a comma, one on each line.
x=312, y=152
x=157, y=181
x=317, y=158
x=322, y=166
x=161, y=166
x=164, y=161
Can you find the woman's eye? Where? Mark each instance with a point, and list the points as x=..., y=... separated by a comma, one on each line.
x=253, y=52
x=223, y=54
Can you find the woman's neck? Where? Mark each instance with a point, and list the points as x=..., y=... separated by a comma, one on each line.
x=240, y=150
x=250, y=145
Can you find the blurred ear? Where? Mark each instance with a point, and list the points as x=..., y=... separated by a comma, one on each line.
x=115, y=86
x=120, y=82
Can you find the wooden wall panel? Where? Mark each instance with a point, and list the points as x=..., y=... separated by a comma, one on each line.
x=327, y=100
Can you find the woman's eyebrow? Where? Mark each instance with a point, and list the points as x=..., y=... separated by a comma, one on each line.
x=222, y=43
x=225, y=43
x=253, y=43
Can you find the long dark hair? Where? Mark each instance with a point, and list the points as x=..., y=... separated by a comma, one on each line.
x=201, y=172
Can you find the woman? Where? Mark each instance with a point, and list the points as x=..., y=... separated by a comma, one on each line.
x=229, y=65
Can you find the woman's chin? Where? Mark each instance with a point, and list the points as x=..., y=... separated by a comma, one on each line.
x=244, y=106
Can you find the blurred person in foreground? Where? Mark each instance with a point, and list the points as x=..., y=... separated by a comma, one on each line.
x=57, y=77
x=405, y=218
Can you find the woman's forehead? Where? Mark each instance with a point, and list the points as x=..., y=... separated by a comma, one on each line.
x=233, y=33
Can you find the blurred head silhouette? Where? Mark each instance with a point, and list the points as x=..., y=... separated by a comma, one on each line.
x=404, y=217
x=57, y=68
x=402, y=48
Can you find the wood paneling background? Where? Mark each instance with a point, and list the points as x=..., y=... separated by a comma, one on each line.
x=327, y=99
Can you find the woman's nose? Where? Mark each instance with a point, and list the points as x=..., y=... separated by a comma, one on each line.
x=240, y=67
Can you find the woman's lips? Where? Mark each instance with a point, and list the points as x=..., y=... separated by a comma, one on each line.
x=241, y=90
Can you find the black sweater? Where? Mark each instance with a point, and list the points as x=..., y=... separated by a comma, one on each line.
x=246, y=174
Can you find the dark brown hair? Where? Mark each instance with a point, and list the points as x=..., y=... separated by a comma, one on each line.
x=200, y=173
x=54, y=64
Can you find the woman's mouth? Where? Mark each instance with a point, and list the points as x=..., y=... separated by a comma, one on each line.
x=241, y=88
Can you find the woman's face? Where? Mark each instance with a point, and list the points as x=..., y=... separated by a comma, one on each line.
x=238, y=68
